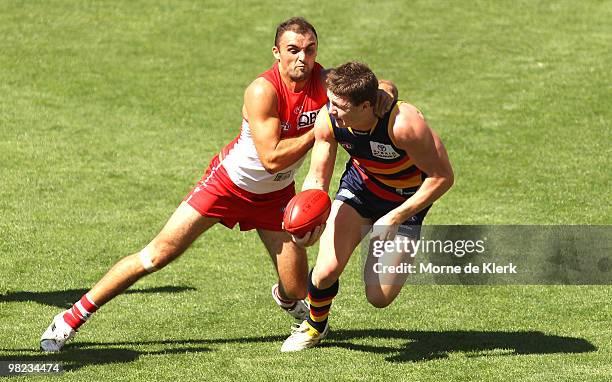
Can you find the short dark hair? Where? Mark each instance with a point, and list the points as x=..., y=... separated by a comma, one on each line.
x=294, y=24
x=354, y=81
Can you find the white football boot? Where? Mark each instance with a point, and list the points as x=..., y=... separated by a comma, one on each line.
x=300, y=311
x=303, y=336
x=56, y=335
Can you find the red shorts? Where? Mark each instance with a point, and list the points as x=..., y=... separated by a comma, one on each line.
x=215, y=195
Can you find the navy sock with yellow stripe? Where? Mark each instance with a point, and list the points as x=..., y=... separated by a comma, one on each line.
x=320, y=303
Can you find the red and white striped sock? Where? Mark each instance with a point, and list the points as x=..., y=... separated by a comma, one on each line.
x=80, y=312
x=285, y=304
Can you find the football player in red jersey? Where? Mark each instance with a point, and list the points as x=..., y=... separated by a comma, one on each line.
x=248, y=183
x=398, y=168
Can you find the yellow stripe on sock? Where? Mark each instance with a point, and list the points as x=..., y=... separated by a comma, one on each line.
x=312, y=332
x=320, y=304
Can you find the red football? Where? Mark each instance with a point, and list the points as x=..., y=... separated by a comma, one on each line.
x=305, y=211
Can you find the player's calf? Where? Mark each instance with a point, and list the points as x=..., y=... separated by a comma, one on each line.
x=295, y=290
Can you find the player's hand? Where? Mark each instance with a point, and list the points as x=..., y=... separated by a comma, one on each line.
x=383, y=103
x=385, y=228
x=310, y=238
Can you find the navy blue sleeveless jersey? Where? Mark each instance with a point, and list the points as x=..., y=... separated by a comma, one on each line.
x=376, y=162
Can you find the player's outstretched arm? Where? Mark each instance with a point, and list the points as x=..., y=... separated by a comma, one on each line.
x=323, y=157
x=425, y=148
x=261, y=106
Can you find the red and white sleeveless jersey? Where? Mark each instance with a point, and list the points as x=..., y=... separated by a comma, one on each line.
x=297, y=112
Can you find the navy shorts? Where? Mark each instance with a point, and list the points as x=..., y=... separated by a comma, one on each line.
x=353, y=192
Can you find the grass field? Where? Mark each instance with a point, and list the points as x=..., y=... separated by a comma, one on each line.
x=110, y=111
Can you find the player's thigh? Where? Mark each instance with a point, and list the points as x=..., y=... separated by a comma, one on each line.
x=345, y=229
x=180, y=231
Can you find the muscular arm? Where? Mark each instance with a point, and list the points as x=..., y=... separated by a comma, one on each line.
x=412, y=134
x=262, y=113
x=323, y=155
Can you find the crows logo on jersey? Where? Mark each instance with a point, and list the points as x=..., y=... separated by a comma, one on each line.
x=383, y=151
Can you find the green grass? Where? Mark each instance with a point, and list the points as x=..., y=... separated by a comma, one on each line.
x=110, y=111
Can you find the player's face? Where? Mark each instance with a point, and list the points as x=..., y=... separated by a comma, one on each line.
x=345, y=113
x=296, y=54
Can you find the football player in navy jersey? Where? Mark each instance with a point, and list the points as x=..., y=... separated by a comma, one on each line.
x=397, y=169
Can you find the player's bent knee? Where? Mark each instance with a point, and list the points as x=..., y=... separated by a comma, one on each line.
x=378, y=299
x=146, y=259
x=324, y=277
x=157, y=255
x=379, y=302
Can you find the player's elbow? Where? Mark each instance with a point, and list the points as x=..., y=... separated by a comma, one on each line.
x=444, y=181
x=449, y=180
x=270, y=162
x=271, y=165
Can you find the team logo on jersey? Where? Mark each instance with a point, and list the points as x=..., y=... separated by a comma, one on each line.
x=298, y=109
x=346, y=145
x=307, y=119
x=383, y=151
x=283, y=176
x=285, y=126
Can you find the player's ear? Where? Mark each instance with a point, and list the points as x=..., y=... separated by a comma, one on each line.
x=276, y=52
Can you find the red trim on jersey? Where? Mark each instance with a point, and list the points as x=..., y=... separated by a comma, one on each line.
x=224, y=151
x=376, y=189
x=374, y=164
x=412, y=174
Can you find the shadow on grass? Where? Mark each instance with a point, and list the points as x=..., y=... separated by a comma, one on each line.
x=65, y=298
x=417, y=346
x=430, y=345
